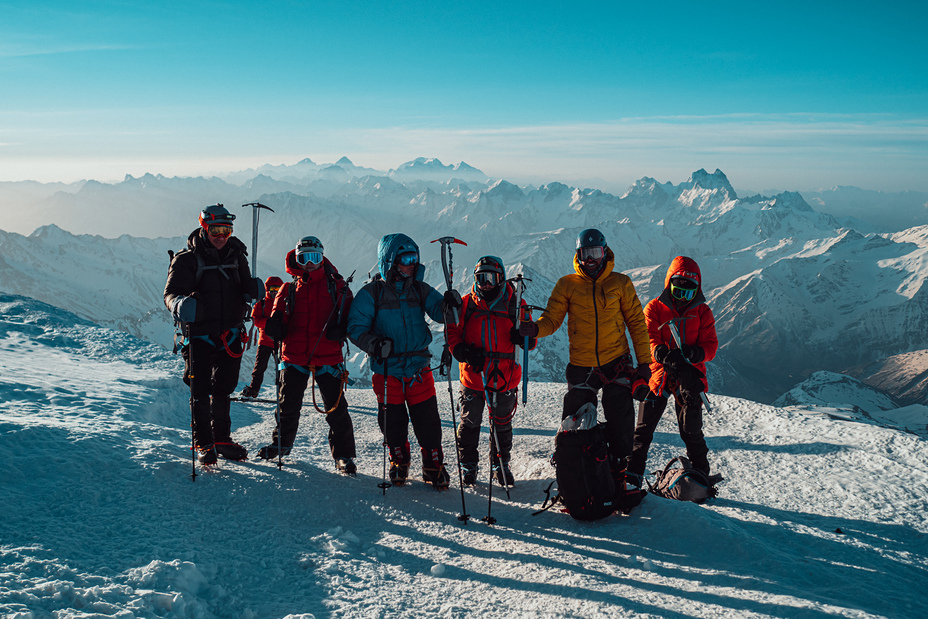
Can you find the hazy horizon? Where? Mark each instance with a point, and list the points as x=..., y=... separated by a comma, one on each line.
x=801, y=98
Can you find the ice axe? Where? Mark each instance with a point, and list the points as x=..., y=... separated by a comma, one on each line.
x=255, y=216
x=676, y=338
x=446, y=263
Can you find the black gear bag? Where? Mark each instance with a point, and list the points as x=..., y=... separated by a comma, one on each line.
x=585, y=484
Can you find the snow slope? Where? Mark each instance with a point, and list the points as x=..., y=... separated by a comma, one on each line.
x=819, y=517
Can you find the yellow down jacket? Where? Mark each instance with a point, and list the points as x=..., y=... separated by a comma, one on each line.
x=597, y=314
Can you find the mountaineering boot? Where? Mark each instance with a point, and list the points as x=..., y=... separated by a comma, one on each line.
x=437, y=477
x=469, y=469
x=269, y=452
x=433, y=468
x=398, y=473
x=231, y=451
x=399, y=464
x=206, y=454
x=346, y=466
x=249, y=392
x=503, y=474
x=715, y=478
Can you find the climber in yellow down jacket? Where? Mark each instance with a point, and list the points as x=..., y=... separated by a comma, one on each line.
x=599, y=304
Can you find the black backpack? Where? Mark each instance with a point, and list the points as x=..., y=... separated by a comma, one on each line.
x=585, y=484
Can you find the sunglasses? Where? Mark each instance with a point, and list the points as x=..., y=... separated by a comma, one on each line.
x=407, y=259
x=591, y=253
x=309, y=257
x=220, y=230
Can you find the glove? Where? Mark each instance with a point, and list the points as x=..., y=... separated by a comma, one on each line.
x=452, y=299
x=471, y=355
x=185, y=309
x=674, y=361
x=528, y=328
x=517, y=339
x=640, y=389
x=275, y=328
x=694, y=353
x=336, y=332
x=691, y=380
x=660, y=353
x=381, y=348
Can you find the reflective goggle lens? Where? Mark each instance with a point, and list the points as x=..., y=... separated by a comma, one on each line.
x=314, y=257
x=219, y=230
x=591, y=253
x=273, y=289
x=683, y=290
x=408, y=259
x=487, y=279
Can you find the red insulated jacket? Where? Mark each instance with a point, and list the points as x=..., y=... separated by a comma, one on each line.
x=489, y=329
x=311, y=308
x=694, y=321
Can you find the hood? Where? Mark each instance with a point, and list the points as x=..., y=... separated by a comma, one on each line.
x=684, y=267
x=607, y=269
x=273, y=280
x=390, y=247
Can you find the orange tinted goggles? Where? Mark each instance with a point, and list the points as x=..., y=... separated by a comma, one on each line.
x=219, y=230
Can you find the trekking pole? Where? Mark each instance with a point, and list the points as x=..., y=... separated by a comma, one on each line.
x=193, y=419
x=446, y=367
x=280, y=429
x=447, y=265
x=499, y=452
x=383, y=485
x=255, y=216
x=676, y=338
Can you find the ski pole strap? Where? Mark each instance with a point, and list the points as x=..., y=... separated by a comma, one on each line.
x=549, y=501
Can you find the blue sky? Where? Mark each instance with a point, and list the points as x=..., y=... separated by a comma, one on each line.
x=788, y=95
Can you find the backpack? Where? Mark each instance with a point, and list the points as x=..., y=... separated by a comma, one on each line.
x=682, y=482
x=584, y=479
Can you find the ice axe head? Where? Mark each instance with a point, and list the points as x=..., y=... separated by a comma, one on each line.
x=447, y=240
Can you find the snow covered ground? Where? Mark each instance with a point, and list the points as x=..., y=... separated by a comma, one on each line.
x=818, y=517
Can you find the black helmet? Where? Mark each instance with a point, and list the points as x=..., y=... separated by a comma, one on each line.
x=215, y=214
x=489, y=277
x=591, y=237
x=591, y=250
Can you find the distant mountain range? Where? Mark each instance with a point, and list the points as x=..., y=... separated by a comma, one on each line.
x=794, y=290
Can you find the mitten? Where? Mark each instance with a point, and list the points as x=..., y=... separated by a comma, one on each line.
x=694, y=353
x=528, y=328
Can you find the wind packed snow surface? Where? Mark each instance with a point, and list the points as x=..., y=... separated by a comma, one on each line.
x=818, y=517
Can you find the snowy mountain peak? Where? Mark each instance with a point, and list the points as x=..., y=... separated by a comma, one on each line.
x=306, y=161
x=344, y=161
x=715, y=181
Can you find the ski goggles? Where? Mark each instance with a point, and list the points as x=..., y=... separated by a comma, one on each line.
x=487, y=279
x=309, y=257
x=591, y=253
x=272, y=290
x=220, y=230
x=407, y=259
x=683, y=289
